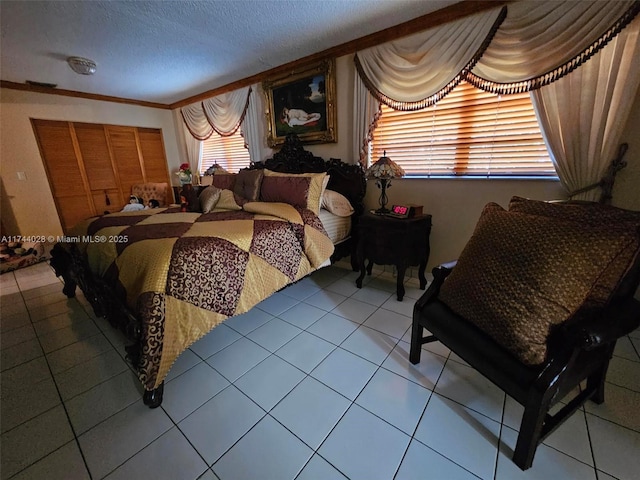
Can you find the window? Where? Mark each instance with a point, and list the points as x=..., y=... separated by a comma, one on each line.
x=228, y=152
x=469, y=132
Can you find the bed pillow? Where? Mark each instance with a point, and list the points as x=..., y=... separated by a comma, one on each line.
x=209, y=198
x=522, y=275
x=597, y=215
x=336, y=203
x=227, y=201
x=291, y=190
x=315, y=186
x=248, y=184
x=224, y=182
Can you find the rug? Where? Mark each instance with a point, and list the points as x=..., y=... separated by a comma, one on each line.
x=15, y=255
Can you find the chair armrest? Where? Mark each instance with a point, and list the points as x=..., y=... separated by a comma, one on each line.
x=440, y=272
x=596, y=328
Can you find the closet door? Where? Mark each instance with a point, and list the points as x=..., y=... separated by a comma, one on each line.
x=154, y=157
x=65, y=172
x=101, y=172
x=127, y=157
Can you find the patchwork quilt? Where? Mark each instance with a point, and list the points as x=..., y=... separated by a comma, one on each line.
x=184, y=273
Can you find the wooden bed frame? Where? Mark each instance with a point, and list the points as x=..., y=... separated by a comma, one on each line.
x=346, y=179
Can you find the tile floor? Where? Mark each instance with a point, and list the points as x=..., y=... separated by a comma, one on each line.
x=314, y=383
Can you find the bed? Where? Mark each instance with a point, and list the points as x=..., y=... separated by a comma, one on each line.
x=168, y=276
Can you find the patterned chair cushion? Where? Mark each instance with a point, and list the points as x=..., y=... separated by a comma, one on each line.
x=521, y=275
x=593, y=214
x=147, y=191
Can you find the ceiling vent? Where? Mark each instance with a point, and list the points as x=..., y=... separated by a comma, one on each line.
x=83, y=66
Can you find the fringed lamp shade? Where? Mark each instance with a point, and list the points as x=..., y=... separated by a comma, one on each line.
x=383, y=171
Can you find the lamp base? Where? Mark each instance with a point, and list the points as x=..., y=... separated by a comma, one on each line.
x=381, y=211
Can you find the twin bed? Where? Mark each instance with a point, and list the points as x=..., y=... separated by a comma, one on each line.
x=167, y=277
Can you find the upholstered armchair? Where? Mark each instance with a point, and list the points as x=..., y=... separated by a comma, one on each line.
x=536, y=303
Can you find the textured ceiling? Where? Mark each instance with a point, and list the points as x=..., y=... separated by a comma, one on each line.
x=166, y=51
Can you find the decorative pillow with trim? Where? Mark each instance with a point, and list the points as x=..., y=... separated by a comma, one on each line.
x=209, y=198
x=248, y=184
x=520, y=275
x=337, y=203
x=317, y=180
x=596, y=215
x=227, y=201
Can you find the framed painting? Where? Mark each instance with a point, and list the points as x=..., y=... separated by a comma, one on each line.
x=302, y=102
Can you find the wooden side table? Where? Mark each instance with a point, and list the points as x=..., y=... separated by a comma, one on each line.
x=394, y=241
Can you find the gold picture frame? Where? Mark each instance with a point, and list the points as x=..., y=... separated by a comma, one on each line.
x=303, y=102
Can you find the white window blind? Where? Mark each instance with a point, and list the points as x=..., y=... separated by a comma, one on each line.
x=468, y=132
x=228, y=152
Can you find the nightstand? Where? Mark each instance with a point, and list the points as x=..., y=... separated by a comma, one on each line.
x=393, y=241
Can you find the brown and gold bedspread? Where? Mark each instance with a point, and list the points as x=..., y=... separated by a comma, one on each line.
x=184, y=273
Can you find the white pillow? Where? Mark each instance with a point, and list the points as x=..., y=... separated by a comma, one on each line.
x=336, y=203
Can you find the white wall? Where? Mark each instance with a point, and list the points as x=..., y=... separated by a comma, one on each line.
x=454, y=203
x=27, y=206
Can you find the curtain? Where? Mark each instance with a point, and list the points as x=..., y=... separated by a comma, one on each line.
x=194, y=152
x=414, y=72
x=539, y=42
x=366, y=111
x=253, y=127
x=582, y=115
x=223, y=114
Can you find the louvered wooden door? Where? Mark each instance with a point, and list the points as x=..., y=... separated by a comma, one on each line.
x=92, y=167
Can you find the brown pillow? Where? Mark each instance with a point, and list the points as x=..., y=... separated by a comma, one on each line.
x=318, y=180
x=225, y=181
x=521, y=275
x=291, y=190
x=596, y=215
x=248, y=184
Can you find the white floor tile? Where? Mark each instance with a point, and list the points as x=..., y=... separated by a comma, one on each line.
x=22, y=403
x=345, y=372
x=625, y=349
x=373, y=296
x=325, y=300
x=249, y=321
x=364, y=447
x=460, y=434
x=354, y=310
x=268, y=452
x=305, y=351
x=184, y=362
x=311, y=411
x=220, y=423
x=277, y=303
x=238, y=358
x=333, y=328
x=389, y=322
x=615, y=448
x=121, y=436
x=32, y=440
x=624, y=373
x=425, y=373
x=548, y=463
x=167, y=458
x=302, y=315
x=201, y=382
x=394, y=399
x=217, y=339
x=342, y=286
x=620, y=406
x=274, y=334
x=64, y=463
x=421, y=460
x=318, y=468
x=467, y=386
x=269, y=381
x=369, y=344
x=302, y=289
x=21, y=353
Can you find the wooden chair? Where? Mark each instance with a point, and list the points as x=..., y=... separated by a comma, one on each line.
x=578, y=349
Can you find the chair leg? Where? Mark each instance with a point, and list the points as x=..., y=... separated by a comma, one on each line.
x=416, y=342
x=530, y=432
x=596, y=382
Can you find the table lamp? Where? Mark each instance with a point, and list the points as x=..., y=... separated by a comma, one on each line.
x=383, y=171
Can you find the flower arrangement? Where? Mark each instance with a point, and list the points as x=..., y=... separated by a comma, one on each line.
x=185, y=169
